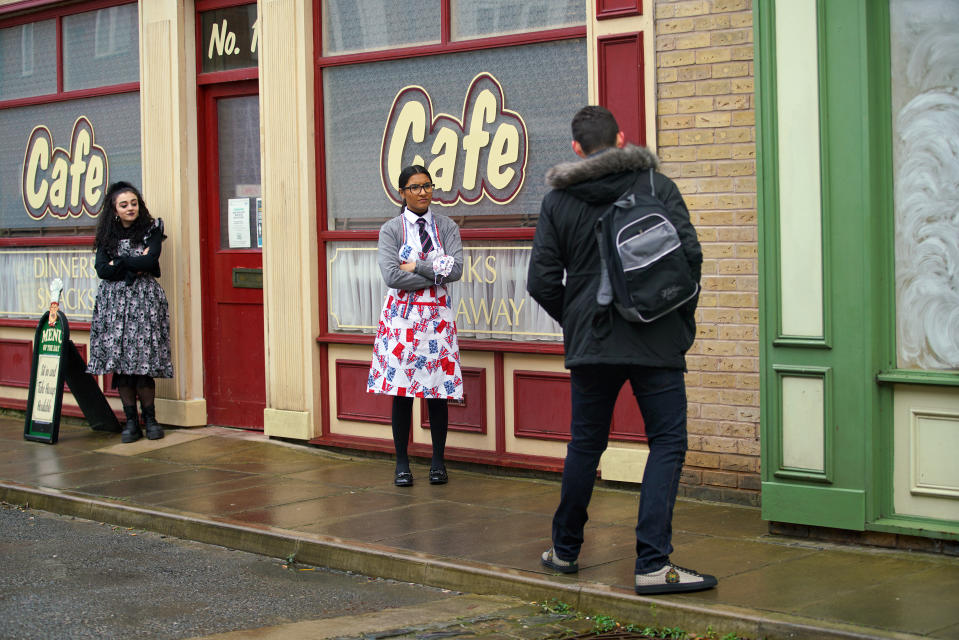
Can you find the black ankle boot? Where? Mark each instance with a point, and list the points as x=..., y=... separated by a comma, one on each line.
x=131, y=430
x=154, y=430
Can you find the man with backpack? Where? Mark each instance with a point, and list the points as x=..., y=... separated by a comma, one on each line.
x=603, y=348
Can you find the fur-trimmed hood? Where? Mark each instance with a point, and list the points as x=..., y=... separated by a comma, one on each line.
x=611, y=161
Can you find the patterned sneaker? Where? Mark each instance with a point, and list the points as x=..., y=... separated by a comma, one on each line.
x=563, y=566
x=672, y=579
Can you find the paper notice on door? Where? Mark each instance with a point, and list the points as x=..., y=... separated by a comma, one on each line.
x=238, y=214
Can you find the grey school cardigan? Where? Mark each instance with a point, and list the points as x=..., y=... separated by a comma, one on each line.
x=388, y=249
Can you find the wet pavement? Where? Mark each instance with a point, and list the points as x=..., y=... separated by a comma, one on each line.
x=480, y=533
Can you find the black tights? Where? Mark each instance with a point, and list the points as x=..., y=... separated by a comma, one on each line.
x=402, y=419
x=130, y=386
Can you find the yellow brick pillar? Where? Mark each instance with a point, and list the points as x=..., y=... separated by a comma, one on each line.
x=169, y=160
x=707, y=142
x=290, y=286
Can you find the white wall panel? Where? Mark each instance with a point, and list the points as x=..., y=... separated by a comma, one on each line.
x=800, y=209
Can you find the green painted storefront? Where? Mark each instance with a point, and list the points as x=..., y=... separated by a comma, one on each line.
x=854, y=435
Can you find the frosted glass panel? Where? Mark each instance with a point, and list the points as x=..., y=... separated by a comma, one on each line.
x=350, y=26
x=238, y=128
x=358, y=105
x=482, y=18
x=101, y=48
x=38, y=140
x=28, y=60
x=925, y=101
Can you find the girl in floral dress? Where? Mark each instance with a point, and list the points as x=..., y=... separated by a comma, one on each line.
x=130, y=330
x=415, y=353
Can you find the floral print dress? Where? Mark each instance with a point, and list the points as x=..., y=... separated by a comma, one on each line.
x=130, y=330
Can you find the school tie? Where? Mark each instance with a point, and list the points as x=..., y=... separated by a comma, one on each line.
x=424, y=237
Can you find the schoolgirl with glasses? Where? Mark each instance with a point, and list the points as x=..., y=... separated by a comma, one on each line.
x=416, y=353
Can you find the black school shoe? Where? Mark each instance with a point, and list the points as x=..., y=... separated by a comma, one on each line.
x=439, y=476
x=403, y=479
x=672, y=579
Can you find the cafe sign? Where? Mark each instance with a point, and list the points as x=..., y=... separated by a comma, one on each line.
x=60, y=158
x=481, y=153
x=65, y=182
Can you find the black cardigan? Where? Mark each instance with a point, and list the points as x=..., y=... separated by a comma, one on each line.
x=129, y=267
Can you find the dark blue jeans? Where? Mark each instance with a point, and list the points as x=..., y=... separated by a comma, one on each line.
x=661, y=394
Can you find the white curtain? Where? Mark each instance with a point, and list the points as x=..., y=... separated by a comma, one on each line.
x=490, y=301
x=27, y=273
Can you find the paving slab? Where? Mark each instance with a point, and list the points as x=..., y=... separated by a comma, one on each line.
x=948, y=633
x=293, y=515
x=912, y=599
x=419, y=518
x=480, y=533
x=143, y=445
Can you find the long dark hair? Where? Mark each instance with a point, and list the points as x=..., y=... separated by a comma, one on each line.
x=109, y=229
x=406, y=174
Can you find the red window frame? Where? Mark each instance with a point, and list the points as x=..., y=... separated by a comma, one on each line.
x=445, y=46
x=36, y=11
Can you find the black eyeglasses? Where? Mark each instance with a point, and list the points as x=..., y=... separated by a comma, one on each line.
x=418, y=188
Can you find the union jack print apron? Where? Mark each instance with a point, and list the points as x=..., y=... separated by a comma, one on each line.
x=415, y=352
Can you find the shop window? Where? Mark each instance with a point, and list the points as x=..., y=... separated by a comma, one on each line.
x=100, y=48
x=61, y=152
x=351, y=27
x=28, y=60
x=64, y=152
x=52, y=185
x=480, y=93
x=483, y=18
x=925, y=113
x=59, y=165
x=487, y=124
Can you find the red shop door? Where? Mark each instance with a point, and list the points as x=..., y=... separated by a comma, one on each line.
x=231, y=245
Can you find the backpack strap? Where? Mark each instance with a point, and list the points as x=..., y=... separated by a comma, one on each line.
x=652, y=187
x=628, y=199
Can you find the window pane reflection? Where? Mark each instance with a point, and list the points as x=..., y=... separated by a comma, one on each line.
x=238, y=130
x=101, y=48
x=350, y=26
x=28, y=60
x=479, y=18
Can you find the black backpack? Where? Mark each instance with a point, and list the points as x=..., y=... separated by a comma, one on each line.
x=644, y=272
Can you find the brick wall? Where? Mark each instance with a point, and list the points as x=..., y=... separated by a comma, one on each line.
x=706, y=140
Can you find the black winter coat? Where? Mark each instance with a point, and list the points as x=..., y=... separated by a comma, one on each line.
x=565, y=243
